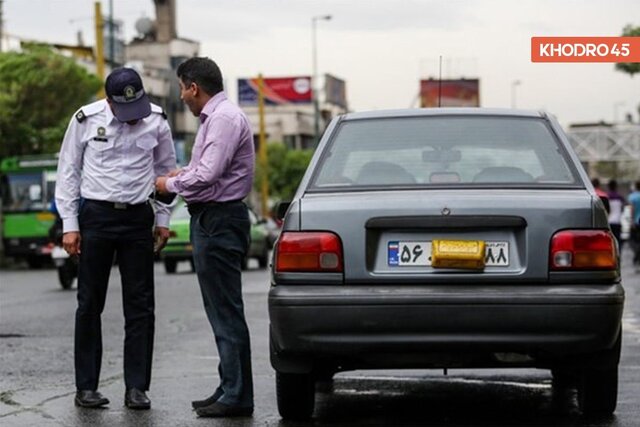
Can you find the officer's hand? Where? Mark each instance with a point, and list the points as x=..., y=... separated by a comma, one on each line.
x=174, y=172
x=161, y=184
x=71, y=242
x=161, y=235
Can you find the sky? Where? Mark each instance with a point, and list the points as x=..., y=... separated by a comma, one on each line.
x=382, y=48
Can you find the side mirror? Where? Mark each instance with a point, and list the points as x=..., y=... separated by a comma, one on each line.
x=281, y=209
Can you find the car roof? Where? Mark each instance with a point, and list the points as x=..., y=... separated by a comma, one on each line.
x=421, y=112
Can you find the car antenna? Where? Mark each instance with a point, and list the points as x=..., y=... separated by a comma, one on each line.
x=440, y=84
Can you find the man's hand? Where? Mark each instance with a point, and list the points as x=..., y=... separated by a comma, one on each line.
x=161, y=235
x=71, y=242
x=161, y=184
x=174, y=172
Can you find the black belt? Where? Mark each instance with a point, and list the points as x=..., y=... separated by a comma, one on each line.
x=197, y=207
x=117, y=205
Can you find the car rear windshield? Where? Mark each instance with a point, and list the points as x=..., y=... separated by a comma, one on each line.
x=443, y=151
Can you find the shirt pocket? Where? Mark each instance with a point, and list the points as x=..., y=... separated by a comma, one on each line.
x=146, y=142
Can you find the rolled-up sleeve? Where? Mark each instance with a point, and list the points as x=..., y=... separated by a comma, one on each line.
x=164, y=156
x=220, y=144
x=69, y=176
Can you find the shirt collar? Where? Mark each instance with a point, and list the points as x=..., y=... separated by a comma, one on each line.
x=211, y=105
x=109, y=117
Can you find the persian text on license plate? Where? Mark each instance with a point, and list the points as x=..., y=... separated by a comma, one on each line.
x=413, y=253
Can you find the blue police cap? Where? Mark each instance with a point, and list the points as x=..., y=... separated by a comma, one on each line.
x=126, y=93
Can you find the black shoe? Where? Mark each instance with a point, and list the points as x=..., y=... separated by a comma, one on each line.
x=208, y=401
x=136, y=399
x=220, y=410
x=90, y=399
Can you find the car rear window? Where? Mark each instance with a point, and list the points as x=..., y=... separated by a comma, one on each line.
x=443, y=151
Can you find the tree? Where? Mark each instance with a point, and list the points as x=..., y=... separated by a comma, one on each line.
x=286, y=168
x=40, y=90
x=629, y=67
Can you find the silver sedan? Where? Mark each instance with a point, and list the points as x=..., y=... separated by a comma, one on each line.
x=445, y=238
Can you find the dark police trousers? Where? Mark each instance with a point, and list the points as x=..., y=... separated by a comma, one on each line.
x=127, y=233
x=220, y=238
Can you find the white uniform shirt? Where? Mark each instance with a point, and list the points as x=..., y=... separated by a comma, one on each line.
x=104, y=159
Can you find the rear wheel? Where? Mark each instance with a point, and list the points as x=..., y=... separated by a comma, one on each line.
x=170, y=265
x=296, y=395
x=598, y=391
x=66, y=274
x=263, y=259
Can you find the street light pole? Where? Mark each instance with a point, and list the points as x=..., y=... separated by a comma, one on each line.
x=314, y=77
x=514, y=84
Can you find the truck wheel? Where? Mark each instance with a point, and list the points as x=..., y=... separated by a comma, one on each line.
x=35, y=262
x=170, y=266
x=296, y=395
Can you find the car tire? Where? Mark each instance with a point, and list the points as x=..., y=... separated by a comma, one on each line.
x=563, y=378
x=170, y=266
x=67, y=274
x=598, y=392
x=263, y=259
x=295, y=395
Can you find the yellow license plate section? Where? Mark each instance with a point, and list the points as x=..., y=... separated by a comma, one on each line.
x=467, y=254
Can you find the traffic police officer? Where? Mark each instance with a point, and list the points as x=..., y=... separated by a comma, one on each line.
x=111, y=154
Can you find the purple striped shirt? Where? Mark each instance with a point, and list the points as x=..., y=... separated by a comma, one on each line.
x=223, y=156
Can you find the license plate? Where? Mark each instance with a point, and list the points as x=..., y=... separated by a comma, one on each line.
x=418, y=253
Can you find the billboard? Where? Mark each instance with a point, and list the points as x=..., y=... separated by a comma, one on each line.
x=335, y=91
x=277, y=91
x=452, y=93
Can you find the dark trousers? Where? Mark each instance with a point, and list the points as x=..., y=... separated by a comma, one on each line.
x=220, y=237
x=105, y=232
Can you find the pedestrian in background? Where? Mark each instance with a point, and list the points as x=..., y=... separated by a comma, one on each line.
x=111, y=154
x=634, y=202
x=214, y=183
x=601, y=193
x=616, y=203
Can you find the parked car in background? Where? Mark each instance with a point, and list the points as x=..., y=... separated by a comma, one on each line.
x=445, y=238
x=179, y=246
x=273, y=228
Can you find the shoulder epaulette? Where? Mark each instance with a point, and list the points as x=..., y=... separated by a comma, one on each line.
x=90, y=110
x=158, y=110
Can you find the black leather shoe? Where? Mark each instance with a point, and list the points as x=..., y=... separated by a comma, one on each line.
x=90, y=399
x=208, y=401
x=220, y=410
x=136, y=399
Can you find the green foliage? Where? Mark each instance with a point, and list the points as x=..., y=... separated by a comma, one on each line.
x=629, y=67
x=286, y=168
x=40, y=90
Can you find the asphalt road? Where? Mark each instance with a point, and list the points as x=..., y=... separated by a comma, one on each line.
x=37, y=386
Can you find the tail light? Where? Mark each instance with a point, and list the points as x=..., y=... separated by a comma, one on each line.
x=583, y=250
x=309, y=252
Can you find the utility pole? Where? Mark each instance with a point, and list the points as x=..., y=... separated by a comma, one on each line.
x=112, y=46
x=1, y=25
x=262, y=152
x=99, y=53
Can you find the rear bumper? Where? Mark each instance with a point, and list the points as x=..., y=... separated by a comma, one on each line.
x=439, y=326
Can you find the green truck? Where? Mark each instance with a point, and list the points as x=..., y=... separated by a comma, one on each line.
x=27, y=187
